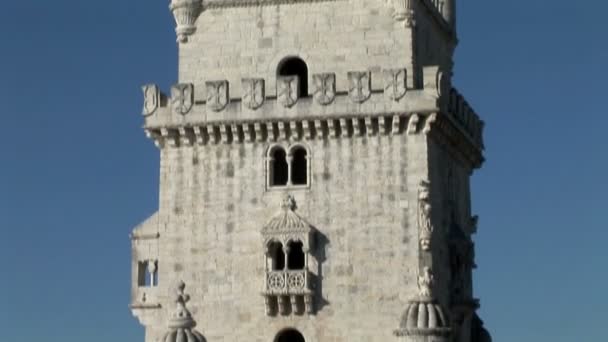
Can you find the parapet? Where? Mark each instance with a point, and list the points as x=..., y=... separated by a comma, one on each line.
x=262, y=114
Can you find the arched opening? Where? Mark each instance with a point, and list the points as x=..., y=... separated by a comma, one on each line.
x=299, y=166
x=277, y=256
x=278, y=167
x=295, y=258
x=294, y=66
x=289, y=335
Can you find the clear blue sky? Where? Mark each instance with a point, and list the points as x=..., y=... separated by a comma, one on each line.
x=77, y=173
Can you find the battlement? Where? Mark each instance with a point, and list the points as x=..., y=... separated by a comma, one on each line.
x=262, y=114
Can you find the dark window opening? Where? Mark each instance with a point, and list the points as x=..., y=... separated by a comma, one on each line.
x=295, y=259
x=296, y=66
x=147, y=273
x=278, y=167
x=299, y=167
x=290, y=335
x=277, y=256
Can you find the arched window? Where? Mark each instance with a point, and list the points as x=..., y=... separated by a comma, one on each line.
x=277, y=256
x=289, y=335
x=278, y=167
x=295, y=66
x=295, y=258
x=299, y=166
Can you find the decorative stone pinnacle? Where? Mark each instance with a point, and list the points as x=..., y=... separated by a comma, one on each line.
x=185, y=13
x=424, y=215
x=425, y=282
x=181, y=317
x=289, y=203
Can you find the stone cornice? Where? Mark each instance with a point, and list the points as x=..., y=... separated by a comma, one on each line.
x=217, y=4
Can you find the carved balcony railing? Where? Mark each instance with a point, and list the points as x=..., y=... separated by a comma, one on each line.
x=288, y=290
x=285, y=283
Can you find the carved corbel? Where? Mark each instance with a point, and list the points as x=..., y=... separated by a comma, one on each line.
x=412, y=125
x=248, y=132
x=259, y=134
x=185, y=136
x=382, y=125
x=169, y=136
x=283, y=133
x=396, y=124
x=333, y=128
x=213, y=137
x=344, y=128
x=224, y=134
x=293, y=129
x=369, y=126
x=272, y=136
x=307, y=128
x=357, y=127
x=430, y=120
x=319, y=129
x=199, y=135
x=234, y=131
x=158, y=141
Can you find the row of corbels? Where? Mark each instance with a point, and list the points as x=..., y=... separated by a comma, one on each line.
x=289, y=130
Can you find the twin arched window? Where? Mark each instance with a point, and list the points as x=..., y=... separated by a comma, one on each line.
x=288, y=167
x=292, y=256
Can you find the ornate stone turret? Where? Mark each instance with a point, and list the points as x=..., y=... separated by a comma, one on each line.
x=424, y=318
x=185, y=13
x=181, y=323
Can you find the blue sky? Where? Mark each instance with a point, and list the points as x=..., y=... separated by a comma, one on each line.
x=77, y=172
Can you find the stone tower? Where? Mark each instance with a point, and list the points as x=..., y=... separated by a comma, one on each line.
x=314, y=177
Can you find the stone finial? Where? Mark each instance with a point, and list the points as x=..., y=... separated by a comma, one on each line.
x=289, y=203
x=424, y=215
x=181, y=317
x=185, y=13
x=425, y=283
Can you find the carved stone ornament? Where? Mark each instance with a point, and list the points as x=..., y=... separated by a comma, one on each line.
x=395, y=83
x=359, y=85
x=325, y=88
x=181, y=324
x=185, y=13
x=424, y=216
x=288, y=90
x=151, y=99
x=404, y=12
x=425, y=283
x=217, y=95
x=182, y=98
x=253, y=92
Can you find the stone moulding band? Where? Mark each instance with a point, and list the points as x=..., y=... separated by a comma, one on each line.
x=145, y=306
x=216, y=4
x=153, y=236
x=277, y=130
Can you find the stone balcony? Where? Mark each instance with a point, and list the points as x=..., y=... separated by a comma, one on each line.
x=288, y=291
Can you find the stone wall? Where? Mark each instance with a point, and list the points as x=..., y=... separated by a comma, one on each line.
x=214, y=203
x=330, y=36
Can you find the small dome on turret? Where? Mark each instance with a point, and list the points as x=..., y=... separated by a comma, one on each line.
x=423, y=315
x=181, y=323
